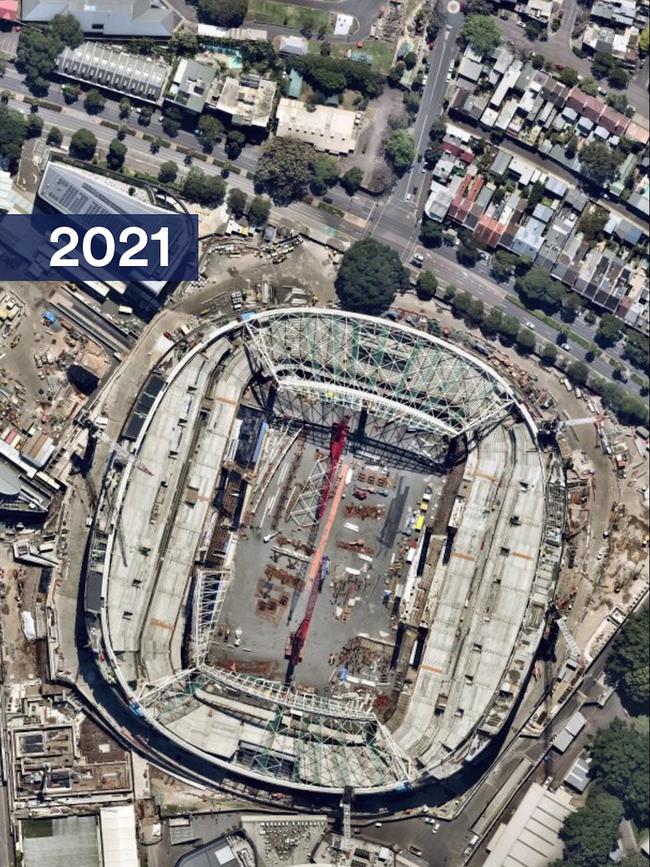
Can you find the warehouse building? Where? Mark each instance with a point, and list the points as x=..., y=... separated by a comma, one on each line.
x=119, y=71
x=532, y=836
x=136, y=18
x=325, y=127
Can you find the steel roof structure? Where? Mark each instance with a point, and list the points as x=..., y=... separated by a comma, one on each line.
x=396, y=372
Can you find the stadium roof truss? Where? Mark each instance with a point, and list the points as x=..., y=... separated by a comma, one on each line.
x=334, y=742
x=396, y=372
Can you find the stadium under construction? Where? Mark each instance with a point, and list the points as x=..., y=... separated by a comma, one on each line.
x=322, y=556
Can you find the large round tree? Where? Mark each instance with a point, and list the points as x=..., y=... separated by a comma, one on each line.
x=369, y=277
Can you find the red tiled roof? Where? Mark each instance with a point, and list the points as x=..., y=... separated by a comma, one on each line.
x=614, y=121
x=9, y=10
x=489, y=231
x=586, y=105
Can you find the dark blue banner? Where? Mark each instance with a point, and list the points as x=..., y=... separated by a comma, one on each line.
x=150, y=250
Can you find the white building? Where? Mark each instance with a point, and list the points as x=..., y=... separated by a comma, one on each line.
x=325, y=127
x=531, y=837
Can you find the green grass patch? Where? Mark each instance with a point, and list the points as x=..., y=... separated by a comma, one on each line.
x=639, y=380
x=379, y=52
x=286, y=15
x=330, y=209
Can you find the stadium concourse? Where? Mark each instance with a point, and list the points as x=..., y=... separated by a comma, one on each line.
x=323, y=557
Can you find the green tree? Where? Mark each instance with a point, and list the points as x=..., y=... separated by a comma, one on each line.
x=502, y=265
x=548, y=353
x=482, y=33
x=610, y=330
x=492, y=322
x=13, y=131
x=83, y=144
x=210, y=128
x=509, y=328
x=644, y=40
x=370, y=275
x=168, y=172
x=351, y=180
x=589, y=86
x=71, y=93
x=36, y=57
x=395, y=74
x=205, y=189
x=628, y=663
x=589, y=834
x=125, y=107
x=67, y=29
x=144, y=118
x=94, y=102
x=599, y=163
x=34, y=126
x=171, y=120
x=426, y=285
x=184, y=43
x=592, y=222
x=637, y=350
x=116, y=155
x=236, y=201
x=400, y=150
x=569, y=76
x=537, y=288
x=410, y=59
x=578, y=372
x=54, y=137
x=224, y=13
x=259, y=210
x=430, y=233
x=234, y=143
x=618, y=78
x=467, y=255
x=525, y=340
x=621, y=764
x=284, y=169
x=325, y=173
x=571, y=147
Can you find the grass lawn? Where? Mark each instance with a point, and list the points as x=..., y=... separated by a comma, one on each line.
x=286, y=15
x=379, y=52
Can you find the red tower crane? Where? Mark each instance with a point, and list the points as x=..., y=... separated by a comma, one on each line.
x=300, y=635
x=337, y=447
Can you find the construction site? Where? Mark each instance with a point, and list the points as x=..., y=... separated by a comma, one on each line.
x=323, y=552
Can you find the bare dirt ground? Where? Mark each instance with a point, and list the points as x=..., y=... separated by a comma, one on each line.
x=369, y=152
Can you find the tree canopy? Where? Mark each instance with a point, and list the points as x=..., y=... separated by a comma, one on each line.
x=13, y=131
x=168, y=172
x=38, y=49
x=325, y=173
x=116, y=155
x=94, y=102
x=628, y=663
x=426, y=285
x=224, y=13
x=369, y=277
x=599, y=163
x=610, y=330
x=537, y=288
x=236, y=201
x=334, y=74
x=351, y=180
x=482, y=33
x=285, y=169
x=205, y=189
x=621, y=764
x=400, y=150
x=210, y=128
x=259, y=210
x=589, y=834
x=83, y=144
